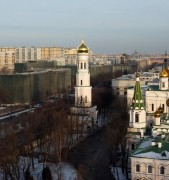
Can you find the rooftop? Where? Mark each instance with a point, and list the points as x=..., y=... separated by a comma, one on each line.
x=147, y=150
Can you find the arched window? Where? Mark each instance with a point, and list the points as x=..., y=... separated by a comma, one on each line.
x=163, y=84
x=162, y=170
x=137, y=167
x=84, y=65
x=150, y=169
x=81, y=65
x=136, y=117
x=81, y=82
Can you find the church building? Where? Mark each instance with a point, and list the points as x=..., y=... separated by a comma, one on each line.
x=148, y=131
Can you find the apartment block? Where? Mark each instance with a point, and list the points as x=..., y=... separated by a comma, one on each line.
x=7, y=59
x=24, y=54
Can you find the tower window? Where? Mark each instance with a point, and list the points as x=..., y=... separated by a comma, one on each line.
x=81, y=65
x=152, y=107
x=81, y=82
x=84, y=65
x=163, y=84
x=163, y=106
x=137, y=168
x=136, y=117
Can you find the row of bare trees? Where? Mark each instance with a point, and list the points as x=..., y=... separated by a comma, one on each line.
x=47, y=133
x=116, y=130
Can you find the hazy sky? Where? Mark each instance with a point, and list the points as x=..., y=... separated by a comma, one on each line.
x=109, y=26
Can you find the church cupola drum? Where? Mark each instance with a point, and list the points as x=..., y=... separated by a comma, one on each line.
x=83, y=89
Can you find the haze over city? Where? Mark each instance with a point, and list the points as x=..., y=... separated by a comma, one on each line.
x=108, y=26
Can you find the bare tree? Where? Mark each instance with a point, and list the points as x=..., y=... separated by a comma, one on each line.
x=9, y=154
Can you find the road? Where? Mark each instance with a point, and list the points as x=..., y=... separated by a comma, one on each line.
x=92, y=155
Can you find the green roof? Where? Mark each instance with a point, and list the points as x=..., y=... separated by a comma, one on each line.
x=165, y=147
x=154, y=88
x=145, y=149
x=137, y=101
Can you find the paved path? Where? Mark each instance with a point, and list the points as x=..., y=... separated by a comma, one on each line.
x=92, y=154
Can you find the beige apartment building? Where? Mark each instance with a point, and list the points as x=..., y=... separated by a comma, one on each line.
x=70, y=55
x=7, y=59
x=51, y=53
x=24, y=54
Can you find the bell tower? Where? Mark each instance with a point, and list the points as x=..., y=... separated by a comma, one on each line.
x=83, y=110
x=137, y=111
x=83, y=89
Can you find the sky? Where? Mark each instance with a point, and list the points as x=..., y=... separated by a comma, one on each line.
x=107, y=26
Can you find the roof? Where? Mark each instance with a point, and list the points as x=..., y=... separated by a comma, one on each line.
x=153, y=88
x=146, y=150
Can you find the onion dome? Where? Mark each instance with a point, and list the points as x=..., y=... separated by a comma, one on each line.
x=137, y=74
x=160, y=109
x=167, y=102
x=82, y=48
x=164, y=73
x=157, y=113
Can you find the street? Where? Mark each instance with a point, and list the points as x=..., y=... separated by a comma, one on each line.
x=92, y=156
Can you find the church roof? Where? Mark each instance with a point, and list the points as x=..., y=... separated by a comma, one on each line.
x=137, y=101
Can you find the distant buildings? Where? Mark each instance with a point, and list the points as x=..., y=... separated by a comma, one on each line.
x=121, y=84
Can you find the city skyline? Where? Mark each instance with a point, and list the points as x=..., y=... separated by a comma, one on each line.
x=108, y=26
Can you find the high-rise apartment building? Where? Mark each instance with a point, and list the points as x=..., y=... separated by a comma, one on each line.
x=7, y=59
x=24, y=54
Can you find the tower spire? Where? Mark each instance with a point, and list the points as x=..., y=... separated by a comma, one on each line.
x=137, y=101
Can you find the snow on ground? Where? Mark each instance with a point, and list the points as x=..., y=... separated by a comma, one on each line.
x=68, y=172
x=118, y=174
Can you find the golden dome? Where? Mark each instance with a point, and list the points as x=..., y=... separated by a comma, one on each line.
x=164, y=73
x=82, y=48
x=160, y=109
x=157, y=113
